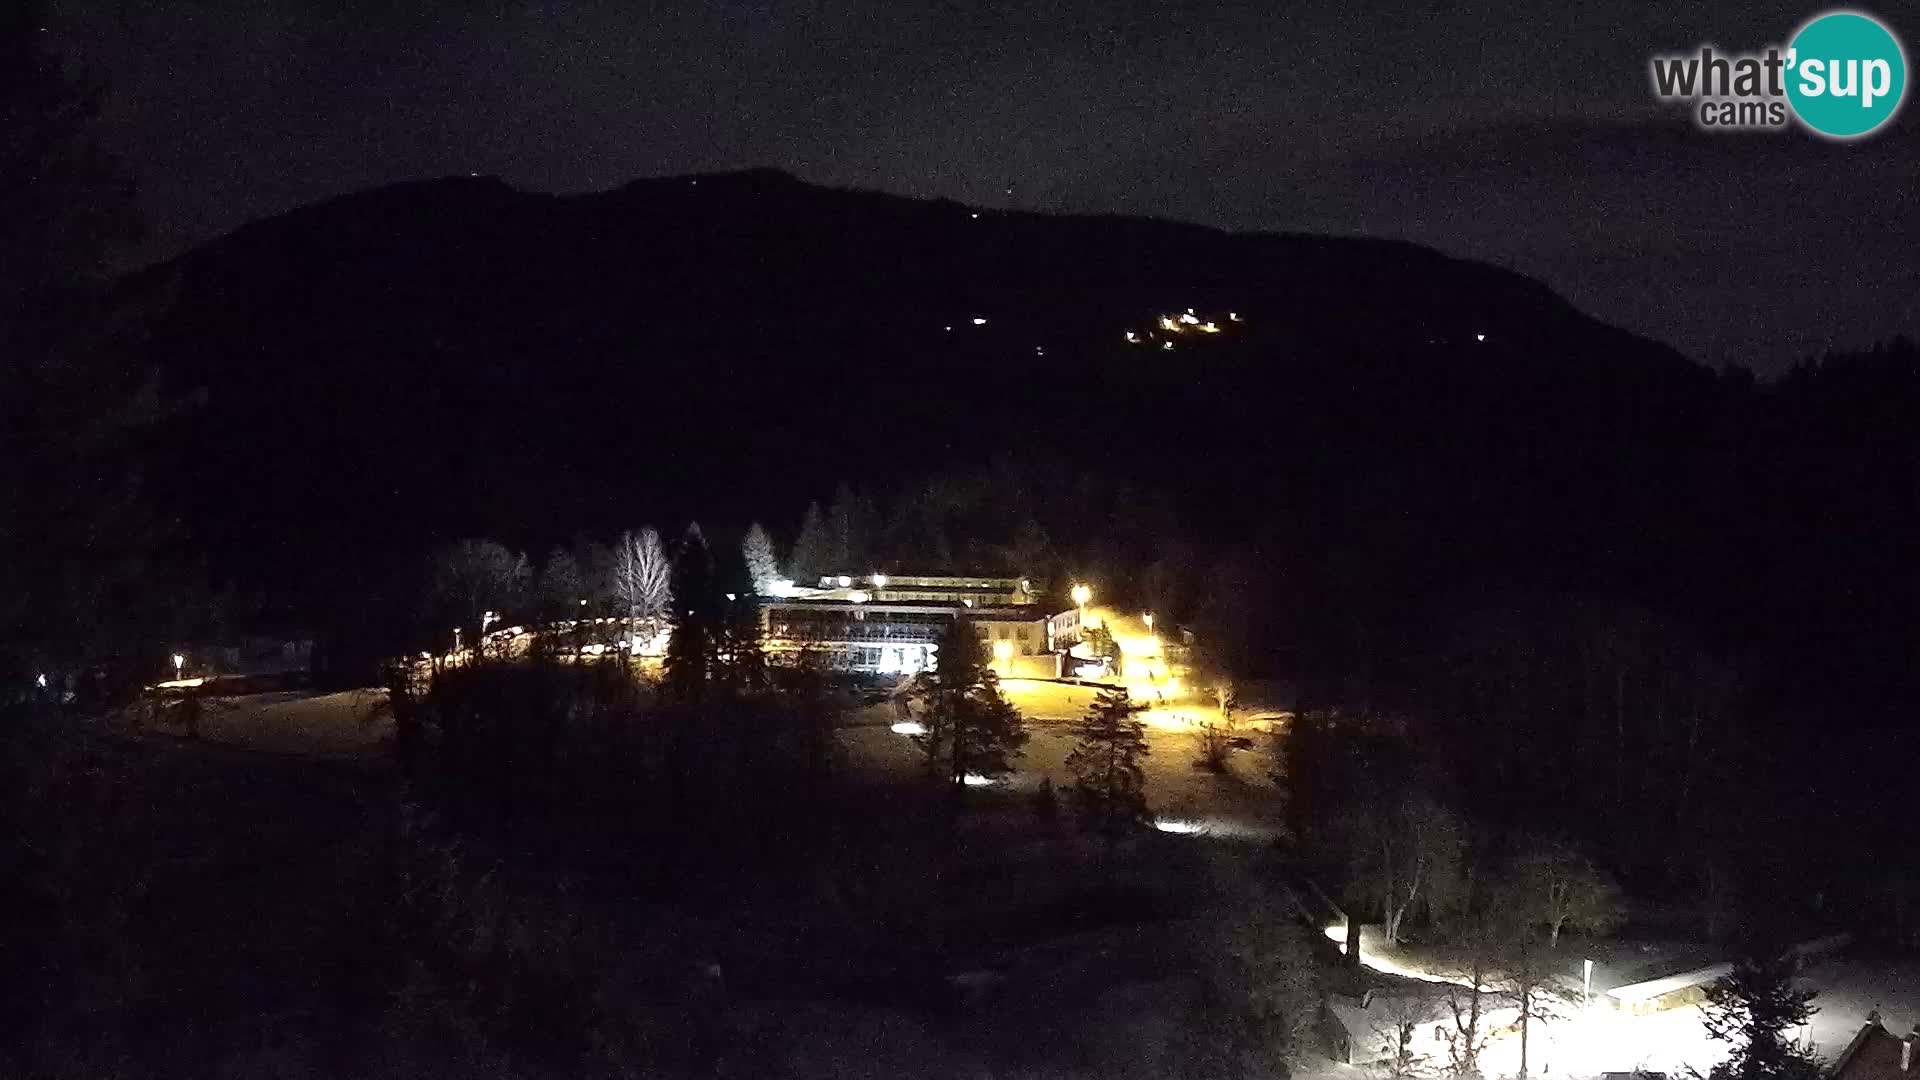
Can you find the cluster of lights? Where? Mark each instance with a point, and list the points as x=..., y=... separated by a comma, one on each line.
x=1184, y=324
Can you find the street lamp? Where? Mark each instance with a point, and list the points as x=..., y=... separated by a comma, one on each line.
x=1149, y=618
x=1586, y=985
x=1003, y=655
x=1081, y=594
x=178, y=662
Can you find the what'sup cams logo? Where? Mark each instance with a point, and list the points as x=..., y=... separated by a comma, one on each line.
x=1843, y=76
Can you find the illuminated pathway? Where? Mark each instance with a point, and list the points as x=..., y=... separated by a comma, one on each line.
x=1576, y=1041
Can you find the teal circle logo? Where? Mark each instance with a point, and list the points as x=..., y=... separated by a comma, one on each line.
x=1846, y=74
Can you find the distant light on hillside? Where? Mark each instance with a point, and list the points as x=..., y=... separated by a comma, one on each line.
x=1187, y=323
x=978, y=321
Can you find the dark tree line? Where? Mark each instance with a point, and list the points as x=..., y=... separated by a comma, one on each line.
x=92, y=579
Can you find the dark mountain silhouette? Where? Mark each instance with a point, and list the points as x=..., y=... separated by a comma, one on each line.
x=1399, y=478
x=399, y=367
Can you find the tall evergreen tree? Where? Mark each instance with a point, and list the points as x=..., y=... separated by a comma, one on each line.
x=850, y=527
x=762, y=569
x=1109, y=779
x=1754, y=1009
x=695, y=616
x=813, y=549
x=971, y=729
x=740, y=659
x=471, y=578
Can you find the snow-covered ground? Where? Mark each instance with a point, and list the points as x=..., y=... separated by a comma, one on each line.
x=346, y=724
x=1185, y=798
x=1586, y=1041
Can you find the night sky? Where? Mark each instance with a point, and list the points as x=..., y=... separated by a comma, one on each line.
x=1521, y=134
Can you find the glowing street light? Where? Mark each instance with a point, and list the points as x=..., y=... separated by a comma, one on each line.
x=1148, y=617
x=1586, y=985
x=1081, y=594
x=1003, y=655
x=879, y=581
x=178, y=662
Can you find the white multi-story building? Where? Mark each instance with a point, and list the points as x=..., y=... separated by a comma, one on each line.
x=892, y=624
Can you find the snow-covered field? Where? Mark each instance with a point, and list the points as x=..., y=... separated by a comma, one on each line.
x=1185, y=798
x=345, y=724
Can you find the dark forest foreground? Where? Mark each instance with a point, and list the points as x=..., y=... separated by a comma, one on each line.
x=184, y=908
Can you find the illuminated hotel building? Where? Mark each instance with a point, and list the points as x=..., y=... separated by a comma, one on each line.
x=892, y=624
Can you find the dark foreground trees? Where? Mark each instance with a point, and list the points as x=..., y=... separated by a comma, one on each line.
x=1755, y=1009
x=1259, y=985
x=82, y=583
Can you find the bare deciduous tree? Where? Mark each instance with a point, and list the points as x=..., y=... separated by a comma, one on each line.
x=1402, y=1016
x=1560, y=888
x=641, y=580
x=1404, y=852
x=474, y=577
x=1471, y=997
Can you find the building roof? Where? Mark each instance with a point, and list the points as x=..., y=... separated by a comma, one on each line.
x=1653, y=988
x=977, y=612
x=1876, y=1054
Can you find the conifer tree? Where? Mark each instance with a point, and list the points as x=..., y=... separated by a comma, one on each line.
x=1755, y=1009
x=740, y=659
x=694, y=618
x=971, y=730
x=812, y=549
x=1109, y=779
x=762, y=569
